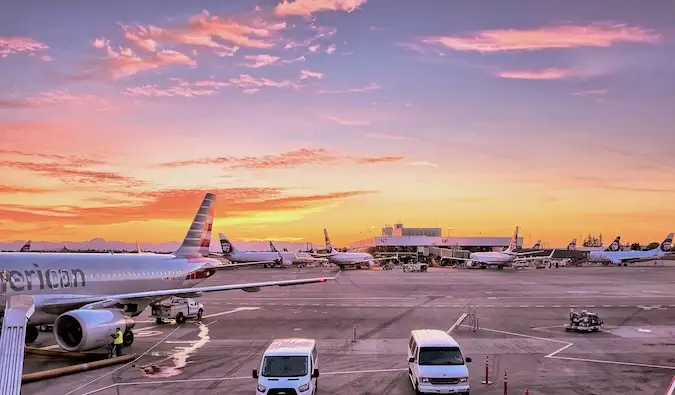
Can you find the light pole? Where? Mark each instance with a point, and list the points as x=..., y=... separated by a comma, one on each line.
x=449, y=229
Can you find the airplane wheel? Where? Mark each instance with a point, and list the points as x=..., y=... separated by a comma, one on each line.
x=128, y=338
x=159, y=320
x=31, y=334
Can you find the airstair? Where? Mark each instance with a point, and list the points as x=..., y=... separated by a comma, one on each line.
x=468, y=311
x=13, y=342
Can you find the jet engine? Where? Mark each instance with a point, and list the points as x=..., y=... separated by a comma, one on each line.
x=84, y=330
x=470, y=264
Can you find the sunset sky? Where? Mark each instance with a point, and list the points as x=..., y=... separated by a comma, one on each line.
x=117, y=116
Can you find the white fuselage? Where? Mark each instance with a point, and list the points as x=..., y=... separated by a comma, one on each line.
x=257, y=256
x=621, y=256
x=74, y=274
x=350, y=258
x=492, y=257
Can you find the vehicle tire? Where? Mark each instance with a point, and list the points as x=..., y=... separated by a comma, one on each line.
x=159, y=320
x=31, y=334
x=180, y=318
x=128, y=338
x=199, y=314
x=568, y=329
x=417, y=391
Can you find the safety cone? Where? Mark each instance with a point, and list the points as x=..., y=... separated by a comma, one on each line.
x=527, y=392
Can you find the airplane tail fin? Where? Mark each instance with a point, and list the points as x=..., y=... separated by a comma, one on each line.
x=537, y=245
x=572, y=246
x=616, y=244
x=514, y=241
x=667, y=244
x=138, y=248
x=26, y=247
x=198, y=237
x=329, y=246
x=272, y=247
x=226, y=245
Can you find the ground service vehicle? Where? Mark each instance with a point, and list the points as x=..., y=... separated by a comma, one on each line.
x=179, y=309
x=584, y=322
x=288, y=367
x=436, y=364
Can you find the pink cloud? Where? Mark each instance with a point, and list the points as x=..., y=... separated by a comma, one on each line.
x=386, y=136
x=260, y=61
x=593, y=92
x=250, y=91
x=308, y=7
x=246, y=81
x=369, y=87
x=599, y=34
x=100, y=43
x=347, y=122
x=545, y=74
x=45, y=99
x=331, y=48
x=126, y=62
x=304, y=74
x=141, y=37
x=13, y=45
x=314, y=48
x=298, y=59
x=153, y=90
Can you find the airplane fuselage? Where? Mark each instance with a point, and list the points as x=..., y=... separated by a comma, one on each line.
x=621, y=256
x=74, y=274
x=492, y=257
x=350, y=258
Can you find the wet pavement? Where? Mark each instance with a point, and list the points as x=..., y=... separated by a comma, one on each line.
x=520, y=314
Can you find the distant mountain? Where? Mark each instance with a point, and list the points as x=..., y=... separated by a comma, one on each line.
x=99, y=244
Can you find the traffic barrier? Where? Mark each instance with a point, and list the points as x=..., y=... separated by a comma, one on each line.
x=506, y=390
x=487, y=373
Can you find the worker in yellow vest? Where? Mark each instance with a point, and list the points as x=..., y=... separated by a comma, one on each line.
x=118, y=342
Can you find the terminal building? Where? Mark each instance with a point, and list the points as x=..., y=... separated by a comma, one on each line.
x=400, y=239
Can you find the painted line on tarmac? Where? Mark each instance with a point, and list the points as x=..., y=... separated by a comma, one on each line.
x=671, y=388
x=238, y=309
x=207, y=379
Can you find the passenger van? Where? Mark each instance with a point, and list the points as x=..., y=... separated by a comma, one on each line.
x=288, y=367
x=436, y=364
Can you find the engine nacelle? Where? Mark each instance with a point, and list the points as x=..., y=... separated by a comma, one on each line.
x=84, y=330
x=470, y=263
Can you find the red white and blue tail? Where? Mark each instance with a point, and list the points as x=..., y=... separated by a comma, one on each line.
x=198, y=238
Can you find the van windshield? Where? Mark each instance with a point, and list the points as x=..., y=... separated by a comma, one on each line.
x=284, y=366
x=440, y=356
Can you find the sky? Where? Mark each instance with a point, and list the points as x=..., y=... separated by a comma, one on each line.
x=116, y=118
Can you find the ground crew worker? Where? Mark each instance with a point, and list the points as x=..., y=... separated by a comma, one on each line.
x=118, y=343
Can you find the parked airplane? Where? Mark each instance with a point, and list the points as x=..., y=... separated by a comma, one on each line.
x=300, y=257
x=614, y=246
x=572, y=246
x=26, y=247
x=537, y=245
x=86, y=296
x=232, y=254
x=348, y=259
x=499, y=259
x=626, y=257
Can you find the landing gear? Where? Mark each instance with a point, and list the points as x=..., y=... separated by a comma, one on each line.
x=128, y=338
x=31, y=334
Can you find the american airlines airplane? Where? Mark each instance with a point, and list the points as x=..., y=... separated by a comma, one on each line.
x=86, y=296
x=502, y=258
x=348, y=259
x=626, y=257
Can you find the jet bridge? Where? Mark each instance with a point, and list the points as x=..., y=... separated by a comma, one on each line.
x=18, y=309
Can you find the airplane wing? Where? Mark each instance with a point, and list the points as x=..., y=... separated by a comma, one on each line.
x=64, y=304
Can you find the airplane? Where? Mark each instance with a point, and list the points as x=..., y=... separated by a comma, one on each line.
x=242, y=258
x=26, y=247
x=85, y=296
x=499, y=259
x=572, y=246
x=626, y=257
x=614, y=246
x=537, y=245
x=351, y=259
x=300, y=258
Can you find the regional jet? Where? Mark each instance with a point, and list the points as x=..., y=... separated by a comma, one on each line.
x=86, y=296
x=241, y=258
x=26, y=247
x=537, y=245
x=300, y=258
x=351, y=259
x=502, y=258
x=626, y=257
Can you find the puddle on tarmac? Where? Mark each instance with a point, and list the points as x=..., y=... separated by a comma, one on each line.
x=179, y=356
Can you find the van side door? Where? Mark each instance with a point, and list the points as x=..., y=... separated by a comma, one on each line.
x=315, y=364
x=412, y=353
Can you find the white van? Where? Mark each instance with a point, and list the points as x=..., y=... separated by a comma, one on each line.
x=436, y=364
x=288, y=367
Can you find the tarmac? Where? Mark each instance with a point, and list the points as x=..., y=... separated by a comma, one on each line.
x=520, y=317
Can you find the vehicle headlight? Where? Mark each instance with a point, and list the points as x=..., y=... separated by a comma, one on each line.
x=261, y=388
x=423, y=380
x=463, y=379
x=303, y=387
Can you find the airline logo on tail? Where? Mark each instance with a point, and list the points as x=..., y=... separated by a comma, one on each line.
x=537, y=245
x=329, y=246
x=198, y=238
x=26, y=247
x=514, y=241
x=225, y=244
x=572, y=246
x=272, y=247
x=667, y=243
x=616, y=244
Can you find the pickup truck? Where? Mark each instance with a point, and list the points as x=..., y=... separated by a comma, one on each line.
x=179, y=309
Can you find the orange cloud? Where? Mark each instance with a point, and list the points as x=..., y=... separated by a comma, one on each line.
x=381, y=159
x=599, y=34
x=260, y=61
x=304, y=74
x=172, y=205
x=545, y=74
x=308, y=7
x=153, y=90
x=5, y=189
x=347, y=122
x=13, y=45
x=369, y=87
x=72, y=172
